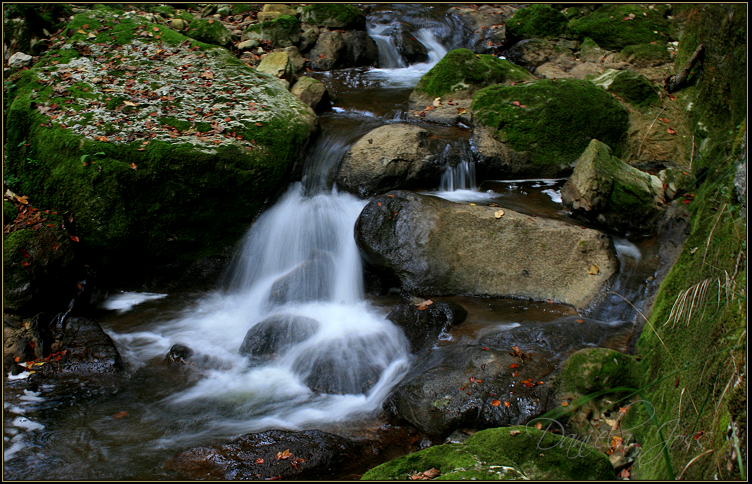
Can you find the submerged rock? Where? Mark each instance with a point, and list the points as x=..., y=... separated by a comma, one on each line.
x=436, y=247
x=310, y=281
x=389, y=157
x=506, y=453
x=424, y=321
x=539, y=129
x=274, y=454
x=605, y=189
x=277, y=333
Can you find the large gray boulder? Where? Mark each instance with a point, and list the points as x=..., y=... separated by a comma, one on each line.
x=389, y=157
x=436, y=247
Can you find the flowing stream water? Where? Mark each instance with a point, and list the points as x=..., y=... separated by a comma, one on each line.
x=307, y=237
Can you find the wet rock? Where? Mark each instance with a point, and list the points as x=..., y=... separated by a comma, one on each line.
x=454, y=80
x=329, y=51
x=277, y=333
x=361, y=49
x=179, y=354
x=590, y=51
x=507, y=453
x=436, y=247
x=549, y=70
x=279, y=65
x=272, y=11
x=410, y=48
x=89, y=349
x=422, y=327
x=391, y=156
x=484, y=25
x=605, y=189
x=333, y=16
x=462, y=386
x=308, y=454
x=298, y=61
x=312, y=92
x=307, y=282
x=308, y=37
x=540, y=128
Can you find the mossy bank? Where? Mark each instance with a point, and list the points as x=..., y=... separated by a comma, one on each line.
x=163, y=147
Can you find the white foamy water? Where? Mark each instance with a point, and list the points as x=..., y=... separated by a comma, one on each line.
x=124, y=301
x=626, y=248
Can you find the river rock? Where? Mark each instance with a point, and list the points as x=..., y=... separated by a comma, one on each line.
x=532, y=53
x=329, y=51
x=485, y=25
x=222, y=166
x=436, y=247
x=89, y=349
x=424, y=321
x=540, y=128
x=312, y=92
x=274, y=454
x=391, y=156
x=606, y=189
x=307, y=282
x=537, y=20
x=410, y=48
x=278, y=64
x=619, y=25
x=19, y=60
x=444, y=93
x=361, y=49
x=506, y=453
x=277, y=333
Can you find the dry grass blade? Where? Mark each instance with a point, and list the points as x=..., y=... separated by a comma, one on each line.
x=691, y=462
x=639, y=149
x=707, y=244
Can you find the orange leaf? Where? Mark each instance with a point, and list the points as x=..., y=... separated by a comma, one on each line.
x=25, y=264
x=507, y=404
x=133, y=165
x=516, y=103
x=495, y=403
x=565, y=404
x=671, y=131
x=259, y=461
x=74, y=238
x=580, y=321
x=120, y=415
x=514, y=374
x=284, y=455
x=259, y=124
x=514, y=365
x=210, y=21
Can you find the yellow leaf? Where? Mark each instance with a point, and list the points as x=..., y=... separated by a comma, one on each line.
x=128, y=103
x=81, y=31
x=514, y=432
x=593, y=270
x=499, y=213
x=564, y=404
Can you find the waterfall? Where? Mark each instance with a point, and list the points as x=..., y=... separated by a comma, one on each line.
x=459, y=171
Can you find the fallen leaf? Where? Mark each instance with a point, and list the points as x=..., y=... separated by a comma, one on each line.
x=133, y=165
x=516, y=351
x=284, y=455
x=437, y=102
x=499, y=213
x=539, y=425
x=295, y=463
x=671, y=131
x=580, y=321
x=593, y=270
x=697, y=435
x=25, y=264
x=515, y=374
x=495, y=403
x=424, y=304
x=461, y=110
x=514, y=432
x=514, y=365
x=259, y=124
x=516, y=103
x=210, y=21
x=259, y=461
x=565, y=404
x=507, y=404
x=624, y=473
x=74, y=238
x=120, y=415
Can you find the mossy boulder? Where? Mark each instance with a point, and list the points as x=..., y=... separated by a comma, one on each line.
x=504, y=453
x=279, y=65
x=590, y=51
x=455, y=78
x=619, y=25
x=283, y=31
x=595, y=369
x=537, y=20
x=631, y=86
x=540, y=128
x=209, y=31
x=333, y=15
x=162, y=147
x=605, y=189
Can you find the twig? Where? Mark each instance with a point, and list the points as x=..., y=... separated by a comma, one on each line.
x=707, y=244
x=691, y=462
x=692, y=157
x=639, y=149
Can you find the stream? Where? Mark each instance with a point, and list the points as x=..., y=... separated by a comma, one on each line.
x=352, y=351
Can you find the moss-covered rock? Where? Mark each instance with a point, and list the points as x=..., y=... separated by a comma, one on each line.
x=283, y=31
x=595, y=369
x=604, y=188
x=333, y=15
x=631, y=86
x=161, y=146
x=646, y=55
x=619, y=25
x=504, y=453
x=209, y=31
x=540, y=128
x=537, y=20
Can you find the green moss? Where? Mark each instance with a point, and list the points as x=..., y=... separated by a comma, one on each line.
x=10, y=211
x=203, y=127
x=506, y=453
x=461, y=69
x=646, y=54
x=182, y=125
x=283, y=31
x=239, y=8
x=558, y=121
x=594, y=369
x=209, y=32
x=334, y=15
x=537, y=20
x=631, y=86
x=607, y=26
